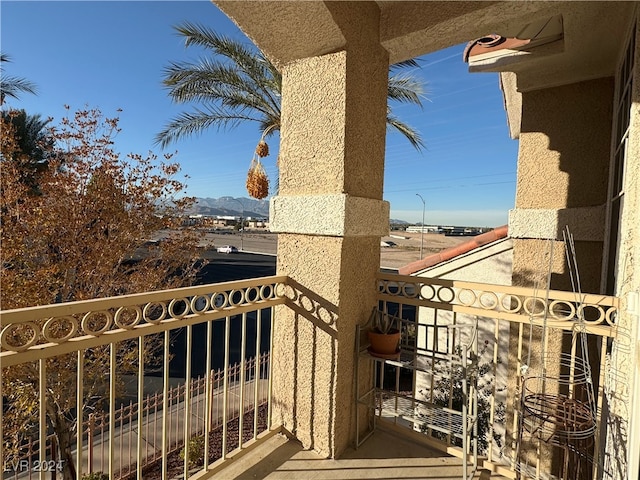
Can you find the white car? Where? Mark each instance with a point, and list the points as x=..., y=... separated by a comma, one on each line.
x=227, y=249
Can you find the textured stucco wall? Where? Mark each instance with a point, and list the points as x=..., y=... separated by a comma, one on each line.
x=586, y=223
x=314, y=346
x=331, y=214
x=532, y=262
x=325, y=214
x=564, y=146
x=315, y=107
x=512, y=102
x=563, y=164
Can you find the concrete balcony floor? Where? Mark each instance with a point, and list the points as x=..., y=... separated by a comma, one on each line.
x=384, y=456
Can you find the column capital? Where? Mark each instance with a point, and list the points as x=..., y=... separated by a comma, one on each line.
x=332, y=215
x=585, y=223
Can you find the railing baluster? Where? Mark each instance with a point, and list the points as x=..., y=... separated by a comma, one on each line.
x=113, y=427
x=139, y=457
x=601, y=393
x=198, y=394
x=270, y=370
x=155, y=421
x=256, y=373
x=187, y=402
x=90, y=430
x=225, y=389
x=112, y=406
x=157, y=401
x=42, y=384
x=146, y=413
x=103, y=445
x=165, y=403
x=243, y=339
x=80, y=410
x=492, y=399
x=207, y=396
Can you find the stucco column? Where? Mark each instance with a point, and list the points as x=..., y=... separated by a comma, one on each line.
x=330, y=216
x=563, y=165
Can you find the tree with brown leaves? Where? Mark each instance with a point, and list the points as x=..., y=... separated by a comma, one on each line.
x=75, y=240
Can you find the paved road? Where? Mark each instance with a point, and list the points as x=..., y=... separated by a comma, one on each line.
x=260, y=242
x=407, y=250
x=226, y=267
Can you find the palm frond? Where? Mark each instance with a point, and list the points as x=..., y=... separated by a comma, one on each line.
x=208, y=82
x=405, y=64
x=196, y=122
x=13, y=86
x=407, y=131
x=406, y=89
x=234, y=51
x=235, y=82
x=203, y=81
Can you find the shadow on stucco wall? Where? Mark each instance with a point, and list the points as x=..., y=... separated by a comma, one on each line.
x=313, y=311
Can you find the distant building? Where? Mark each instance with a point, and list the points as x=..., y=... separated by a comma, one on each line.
x=422, y=229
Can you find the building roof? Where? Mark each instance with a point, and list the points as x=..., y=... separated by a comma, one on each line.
x=453, y=252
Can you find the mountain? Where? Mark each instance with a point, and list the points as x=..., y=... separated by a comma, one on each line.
x=248, y=207
x=252, y=208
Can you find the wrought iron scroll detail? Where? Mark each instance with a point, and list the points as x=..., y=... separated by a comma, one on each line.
x=22, y=335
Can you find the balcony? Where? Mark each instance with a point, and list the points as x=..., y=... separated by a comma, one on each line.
x=225, y=333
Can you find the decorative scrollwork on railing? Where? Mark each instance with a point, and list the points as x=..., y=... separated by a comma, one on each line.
x=562, y=309
x=105, y=315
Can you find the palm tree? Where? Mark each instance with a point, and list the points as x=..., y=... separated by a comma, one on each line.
x=236, y=83
x=33, y=145
x=13, y=86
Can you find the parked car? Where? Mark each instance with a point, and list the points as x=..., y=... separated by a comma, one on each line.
x=227, y=249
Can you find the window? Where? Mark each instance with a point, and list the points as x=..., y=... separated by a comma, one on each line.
x=620, y=140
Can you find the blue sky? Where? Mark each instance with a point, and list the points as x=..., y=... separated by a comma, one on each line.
x=111, y=55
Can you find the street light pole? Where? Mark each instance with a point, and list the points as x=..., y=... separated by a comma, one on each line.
x=422, y=226
x=241, y=224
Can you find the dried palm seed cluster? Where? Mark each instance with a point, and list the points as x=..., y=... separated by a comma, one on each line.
x=257, y=180
x=262, y=150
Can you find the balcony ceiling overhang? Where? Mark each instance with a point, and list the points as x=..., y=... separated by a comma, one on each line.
x=592, y=34
x=286, y=31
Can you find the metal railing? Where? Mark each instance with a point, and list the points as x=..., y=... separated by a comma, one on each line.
x=519, y=330
x=233, y=321
x=95, y=428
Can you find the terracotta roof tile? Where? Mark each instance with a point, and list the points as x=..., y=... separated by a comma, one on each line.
x=450, y=253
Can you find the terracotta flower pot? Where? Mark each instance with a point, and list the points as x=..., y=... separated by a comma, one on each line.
x=384, y=343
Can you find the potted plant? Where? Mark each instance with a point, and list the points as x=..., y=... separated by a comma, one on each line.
x=384, y=334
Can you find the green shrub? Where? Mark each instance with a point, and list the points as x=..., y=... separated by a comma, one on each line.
x=95, y=476
x=196, y=451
